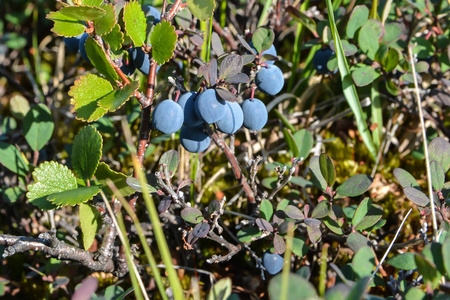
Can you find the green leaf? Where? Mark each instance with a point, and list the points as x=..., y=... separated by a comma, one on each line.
x=358, y=18
x=221, y=290
x=86, y=152
x=356, y=241
x=284, y=120
x=303, y=19
x=364, y=75
x=38, y=126
x=446, y=254
x=355, y=185
x=12, y=159
x=19, y=106
x=404, y=261
x=332, y=225
x=294, y=212
x=304, y=140
x=202, y=9
x=426, y=268
x=171, y=159
x=50, y=178
x=321, y=210
x=291, y=142
x=248, y=234
x=75, y=196
x=299, y=246
x=86, y=92
x=433, y=251
x=416, y=196
x=135, y=23
x=115, y=38
x=391, y=60
x=393, y=32
x=92, y=2
x=97, y=56
x=113, y=101
x=64, y=25
x=105, y=24
x=439, y=150
x=12, y=194
x=90, y=223
x=359, y=289
x=317, y=178
x=361, y=211
x=82, y=13
x=368, y=41
x=263, y=38
x=163, y=40
x=300, y=181
x=382, y=52
x=415, y=293
x=372, y=218
x=270, y=182
x=192, y=215
x=437, y=175
x=424, y=47
x=297, y=287
x=103, y=173
x=266, y=210
x=405, y=179
x=363, y=262
x=327, y=169
x=349, y=50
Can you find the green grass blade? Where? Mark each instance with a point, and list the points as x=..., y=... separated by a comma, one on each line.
x=373, y=10
x=348, y=86
x=377, y=114
x=265, y=12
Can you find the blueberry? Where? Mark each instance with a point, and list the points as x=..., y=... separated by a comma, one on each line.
x=255, y=114
x=150, y=11
x=128, y=66
x=187, y=103
x=81, y=47
x=194, y=139
x=208, y=107
x=233, y=119
x=168, y=117
x=270, y=80
x=320, y=60
x=141, y=60
x=272, y=262
x=272, y=51
x=72, y=43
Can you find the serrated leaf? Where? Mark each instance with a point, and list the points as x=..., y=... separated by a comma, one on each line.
x=74, y=197
x=357, y=241
x=439, y=150
x=304, y=140
x=358, y=18
x=321, y=210
x=50, y=178
x=363, y=262
x=230, y=66
x=135, y=23
x=38, y=126
x=113, y=101
x=416, y=196
x=114, y=38
x=12, y=159
x=404, y=261
x=294, y=212
x=202, y=9
x=105, y=24
x=64, y=25
x=361, y=211
x=86, y=92
x=355, y=185
x=90, y=223
x=327, y=169
x=266, y=209
x=364, y=75
x=83, y=13
x=221, y=290
x=317, y=178
x=201, y=230
x=246, y=235
x=405, y=179
x=279, y=244
x=103, y=173
x=97, y=56
x=368, y=41
x=192, y=215
x=437, y=175
x=171, y=159
x=263, y=38
x=163, y=40
x=86, y=152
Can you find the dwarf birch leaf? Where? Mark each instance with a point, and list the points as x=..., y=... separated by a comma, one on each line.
x=50, y=178
x=83, y=13
x=135, y=22
x=64, y=25
x=114, y=38
x=86, y=153
x=105, y=24
x=113, y=101
x=86, y=93
x=98, y=58
x=38, y=126
x=202, y=9
x=163, y=40
x=120, y=180
x=75, y=196
x=92, y=2
x=12, y=159
x=90, y=223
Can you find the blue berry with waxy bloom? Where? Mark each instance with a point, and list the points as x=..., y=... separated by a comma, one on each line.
x=320, y=60
x=194, y=139
x=72, y=43
x=272, y=51
x=270, y=80
x=141, y=60
x=255, y=114
x=128, y=66
x=209, y=107
x=233, y=119
x=168, y=117
x=82, y=48
x=187, y=103
x=150, y=11
x=272, y=262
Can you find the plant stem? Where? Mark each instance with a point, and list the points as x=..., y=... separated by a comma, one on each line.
x=265, y=12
